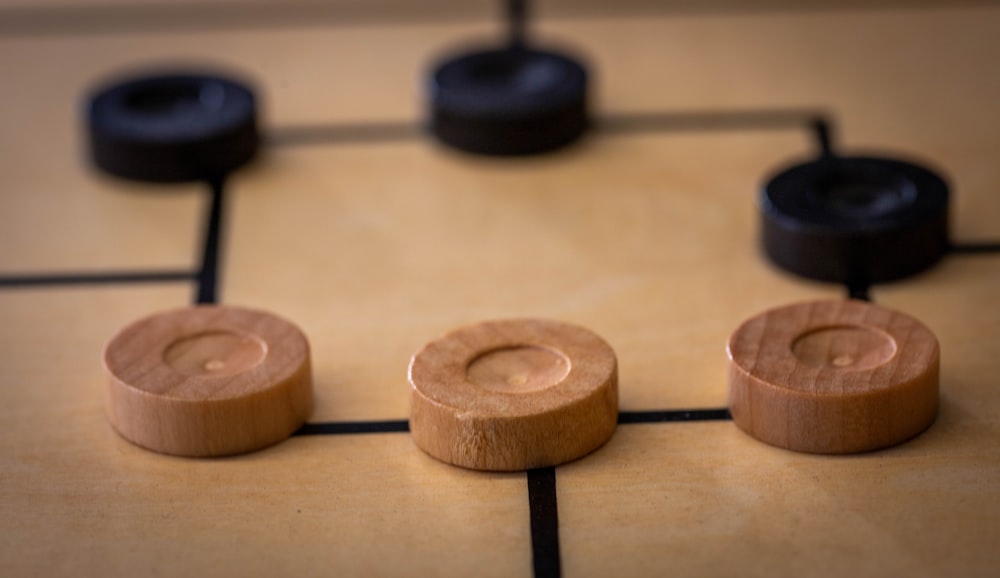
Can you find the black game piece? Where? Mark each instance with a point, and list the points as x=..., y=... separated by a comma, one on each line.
x=172, y=127
x=855, y=220
x=512, y=100
x=509, y=101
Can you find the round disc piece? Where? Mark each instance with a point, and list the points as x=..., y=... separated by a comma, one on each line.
x=172, y=127
x=514, y=101
x=208, y=381
x=864, y=220
x=833, y=377
x=513, y=395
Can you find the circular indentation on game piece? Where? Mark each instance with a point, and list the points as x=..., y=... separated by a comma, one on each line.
x=512, y=101
x=855, y=347
x=518, y=369
x=513, y=395
x=208, y=381
x=877, y=196
x=214, y=352
x=833, y=377
x=855, y=219
x=163, y=100
x=172, y=126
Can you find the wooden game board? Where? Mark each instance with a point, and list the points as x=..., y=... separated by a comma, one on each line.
x=375, y=239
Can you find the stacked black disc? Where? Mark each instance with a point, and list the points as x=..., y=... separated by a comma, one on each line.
x=172, y=126
x=855, y=220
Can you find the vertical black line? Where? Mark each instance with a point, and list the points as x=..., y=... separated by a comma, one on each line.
x=545, y=558
x=859, y=291
x=823, y=131
x=517, y=22
x=208, y=275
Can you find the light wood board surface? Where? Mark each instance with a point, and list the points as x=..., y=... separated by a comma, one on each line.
x=648, y=238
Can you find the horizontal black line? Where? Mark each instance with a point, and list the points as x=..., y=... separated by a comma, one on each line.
x=402, y=425
x=674, y=415
x=123, y=18
x=975, y=248
x=344, y=133
x=218, y=16
x=108, y=278
x=353, y=427
x=709, y=120
x=625, y=123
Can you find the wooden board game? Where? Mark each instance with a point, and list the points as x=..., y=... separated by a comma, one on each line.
x=374, y=239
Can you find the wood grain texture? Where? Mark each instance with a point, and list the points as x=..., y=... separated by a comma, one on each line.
x=208, y=381
x=833, y=377
x=513, y=395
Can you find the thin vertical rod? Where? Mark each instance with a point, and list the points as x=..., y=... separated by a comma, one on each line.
x=517, y=23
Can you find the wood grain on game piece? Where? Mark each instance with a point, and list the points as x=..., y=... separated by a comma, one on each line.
x=833, y=377
x=513, y=395
x=647, y=237
x=208, y=381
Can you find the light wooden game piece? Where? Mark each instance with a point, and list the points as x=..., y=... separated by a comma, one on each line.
x=833, y=377
x=513, y=395
x=208, y=381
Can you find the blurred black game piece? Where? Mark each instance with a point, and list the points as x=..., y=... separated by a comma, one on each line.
x=172, y=127
x=511, y=100
x=855, y=219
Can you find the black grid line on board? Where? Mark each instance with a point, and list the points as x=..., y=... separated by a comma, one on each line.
x=978, y=248
x=97, y=278
x=543, y=508
x=816, y=123
x=353, y=427
x=859, y=290
x=344, y=133
x=119, y=17
x=403, y=426
x=208, y=274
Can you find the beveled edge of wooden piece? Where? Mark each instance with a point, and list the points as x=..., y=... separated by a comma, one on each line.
x=833, y=377
x=513, y=395
x=208, y=380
